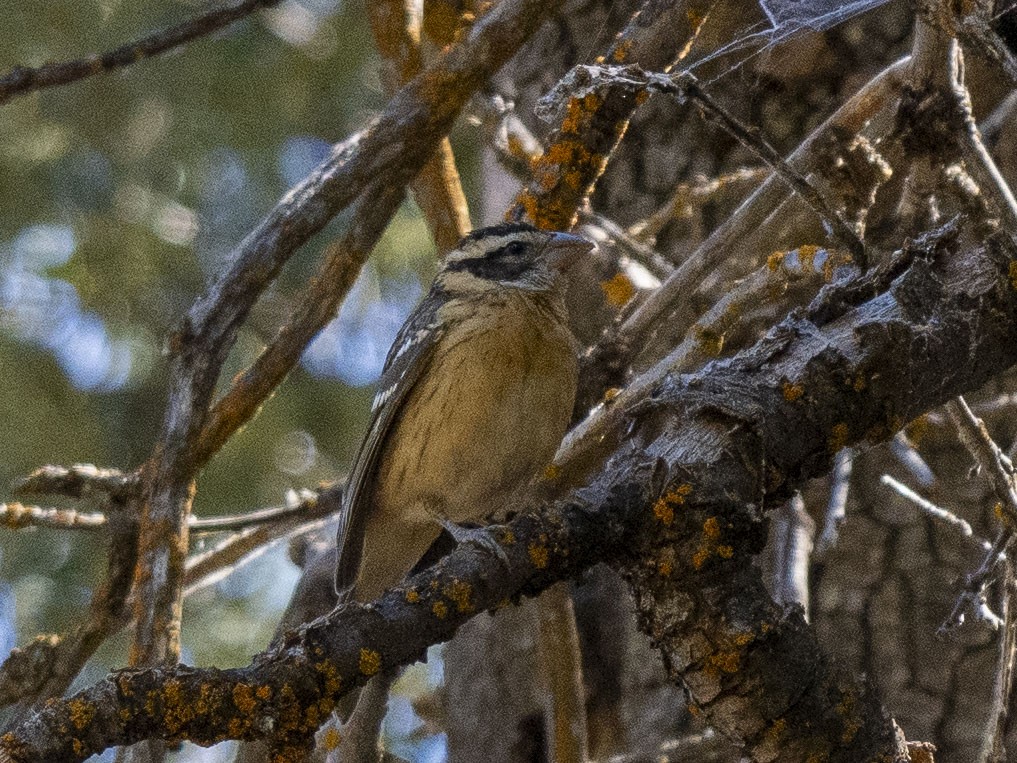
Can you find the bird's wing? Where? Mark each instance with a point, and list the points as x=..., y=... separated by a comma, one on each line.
x=406, y=363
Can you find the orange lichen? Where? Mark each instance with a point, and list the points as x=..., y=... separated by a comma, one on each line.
x=918, y=429
x=573, y=116
x=370, y=662
x=852, y=723
x=642, y=97
x=725, y=552
x=807, y=256
x=699, y=558
x=663, y=508
x=331, y=739
x=412, y=596
x=611, y=393
x=551, y=472
x=243, y=698
x=711, y=528
x=508, y=537
x=726, y=661
x=838, y=437
x=1013, y=274
x=440, y=610
x=710, y=342
x=81, y=713
x=792, y=392
x=775, y=260
x=664, y=568
x=573, y=179
x=539, y=554
x=79, y=747
x=460, y=593
x=621, y=52
x=333, y=681
x=859, y=383
x=776, y=730
x=517, y=149
x=618, y=290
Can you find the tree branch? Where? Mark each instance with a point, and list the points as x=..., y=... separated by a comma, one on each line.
x=23, y=79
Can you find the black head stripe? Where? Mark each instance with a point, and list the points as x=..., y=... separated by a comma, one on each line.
x=502, y=229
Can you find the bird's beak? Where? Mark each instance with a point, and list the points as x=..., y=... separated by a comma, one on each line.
x=565, y=249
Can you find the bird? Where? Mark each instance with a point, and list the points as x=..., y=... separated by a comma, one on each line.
x=474, y=398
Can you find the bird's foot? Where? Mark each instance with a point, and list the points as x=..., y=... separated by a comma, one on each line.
x=480, y=537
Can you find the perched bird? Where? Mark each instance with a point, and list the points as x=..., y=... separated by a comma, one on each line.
x=474, y=399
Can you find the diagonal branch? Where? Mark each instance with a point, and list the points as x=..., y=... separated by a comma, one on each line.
x=437, y=189
x=23, y=79
x=658, y=35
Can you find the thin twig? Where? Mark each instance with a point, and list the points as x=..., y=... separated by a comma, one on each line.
x=793, y=532
x=561, y=667
x=912, y=460
x=988, y=455
x=16, y=516
x=994, y=745
x=972, y=597
x=514, y=145
x=296, y=508
x=836, y=507
x=689, y=197
x=1001, y=116
x=78, y=481
x=343, y=261
x=23, y=79
x=936, y=512
x=211, y=566
x=976, y=156
x=640, y=252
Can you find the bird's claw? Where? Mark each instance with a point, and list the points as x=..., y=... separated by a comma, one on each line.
x=480, y=537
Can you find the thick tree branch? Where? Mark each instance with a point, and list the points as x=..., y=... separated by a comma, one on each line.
x=658, y=36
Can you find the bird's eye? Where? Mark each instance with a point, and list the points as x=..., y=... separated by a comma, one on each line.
x=516, y=247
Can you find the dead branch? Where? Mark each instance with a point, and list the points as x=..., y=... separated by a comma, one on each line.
x=23, y=79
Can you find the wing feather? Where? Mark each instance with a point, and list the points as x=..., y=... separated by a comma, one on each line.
x=406, y=362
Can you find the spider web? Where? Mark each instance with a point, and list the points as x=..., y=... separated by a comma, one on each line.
x=786, y=19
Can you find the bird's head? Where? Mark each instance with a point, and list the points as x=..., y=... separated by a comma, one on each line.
x=511, y=255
